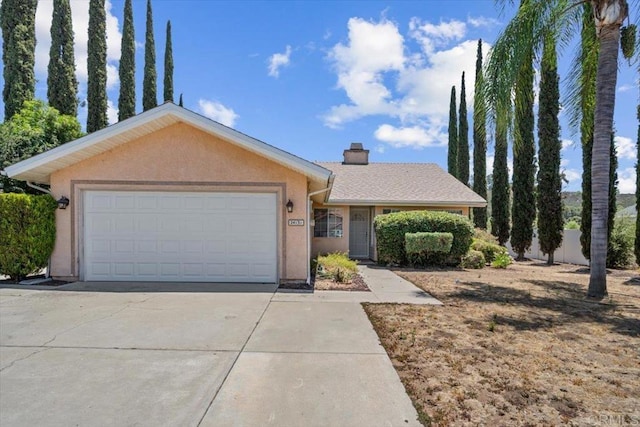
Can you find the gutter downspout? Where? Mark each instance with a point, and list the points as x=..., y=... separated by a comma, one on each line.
x=44, y=190
x=309, y=207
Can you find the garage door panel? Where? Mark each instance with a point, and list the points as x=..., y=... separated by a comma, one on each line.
x=180, y=236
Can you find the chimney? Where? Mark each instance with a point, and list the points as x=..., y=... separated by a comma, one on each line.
x=356, y=155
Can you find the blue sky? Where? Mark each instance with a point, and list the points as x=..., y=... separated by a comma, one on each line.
x=312, y=77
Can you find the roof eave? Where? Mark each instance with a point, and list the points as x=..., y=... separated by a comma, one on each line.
x=472, y=204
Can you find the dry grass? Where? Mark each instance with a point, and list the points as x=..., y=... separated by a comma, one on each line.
x=355, y=284
x=521, y=346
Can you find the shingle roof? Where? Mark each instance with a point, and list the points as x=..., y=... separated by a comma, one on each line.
x=398, y=183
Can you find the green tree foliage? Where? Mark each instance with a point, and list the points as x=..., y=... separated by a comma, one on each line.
x=549, y=195
x=524, y=205
x=62, y=85
x=500, y=190
x=613, y=194
x=27, y=233
x=17, y=20
x=149, y=83
x=97, y=67
x=452, y=157
x=180, y=103
x=479, y=144
x=34, y=129
x=463, y=137
x=168, y=66
x=127, y=71
x=588, y=66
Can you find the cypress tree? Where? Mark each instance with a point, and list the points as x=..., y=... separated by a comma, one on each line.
x=97, y=67
x=127, y=70
x=524, y=205
x=168, y=66
x=149, y=97
x=463, y=137
x=17, y=20
x=500, y=191
x=452, y=155
x=62, y=85
x=549, y=200
x=479, y=144
x=613, y=196
x=180, y=101
x=588, y=69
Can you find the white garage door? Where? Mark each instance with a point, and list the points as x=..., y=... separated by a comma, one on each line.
x=180, y=236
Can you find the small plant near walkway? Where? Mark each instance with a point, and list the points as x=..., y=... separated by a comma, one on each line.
x=336, y=266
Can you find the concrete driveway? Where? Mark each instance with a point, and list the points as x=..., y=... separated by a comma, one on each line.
x=191, y=354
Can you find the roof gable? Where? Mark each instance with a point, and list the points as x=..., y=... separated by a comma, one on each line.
x=396, y=184
x=39, y=168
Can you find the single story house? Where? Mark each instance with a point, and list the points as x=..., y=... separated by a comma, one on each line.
x=169, y=195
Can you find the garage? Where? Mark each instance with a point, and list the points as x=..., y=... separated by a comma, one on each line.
x=179, y=236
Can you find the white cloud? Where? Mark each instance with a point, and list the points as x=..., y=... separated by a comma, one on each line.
x=380, y=148
x=381, y=75
x=112, y=113
x=625, y=147
x=573, y=176
x=218, y=112
x=481, y=21
x=626, y=87
x=414, y=136
x=278, y=61
x=627, y=180
x=80, y=17
x=567, y=143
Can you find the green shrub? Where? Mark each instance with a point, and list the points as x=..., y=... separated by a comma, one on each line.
x=489, y=250
x=420, y=246
x=572, y=225
x=391, y=229
x=27, y=233
x=502, y=261
x=484, y=235
x=336, y=266
x=474, y=259
x=620, y=251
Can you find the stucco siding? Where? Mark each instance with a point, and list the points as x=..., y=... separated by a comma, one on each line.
x=180, y=158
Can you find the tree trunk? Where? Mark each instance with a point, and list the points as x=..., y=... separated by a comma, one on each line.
x=606, y=79
x=550, y=260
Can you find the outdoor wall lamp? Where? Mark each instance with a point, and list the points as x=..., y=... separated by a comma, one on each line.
x=289, y=206
x=63, y=202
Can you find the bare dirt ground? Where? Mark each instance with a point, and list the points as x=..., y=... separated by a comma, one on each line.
x=521, y=346
x=356, y=284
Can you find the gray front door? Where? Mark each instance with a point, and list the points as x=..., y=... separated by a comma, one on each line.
x=359, y=233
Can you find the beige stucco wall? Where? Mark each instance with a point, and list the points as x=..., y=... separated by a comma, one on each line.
x=323, y=245
x=179, y=158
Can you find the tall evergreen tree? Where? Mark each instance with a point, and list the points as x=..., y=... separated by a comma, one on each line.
x=168, y=66
x=500, y=191
x=524, y=205
x=149, y=97
x=62, y=85
x=452, y=155
x=127, y=70
x=479, y=144
x=17, y=20
x=463, y=137
x=180, y=103
x=97, y=67
x=613, y=196
x=549, y=197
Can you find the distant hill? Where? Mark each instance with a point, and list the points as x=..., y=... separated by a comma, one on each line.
x=573, y=199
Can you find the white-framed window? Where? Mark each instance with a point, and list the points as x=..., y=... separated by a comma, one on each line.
x=328, y=222
x=389, y=210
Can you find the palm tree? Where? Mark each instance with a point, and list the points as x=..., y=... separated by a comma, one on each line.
x=533, y=21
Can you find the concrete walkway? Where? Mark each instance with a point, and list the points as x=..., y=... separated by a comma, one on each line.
x=198, y=354
x=386, y=287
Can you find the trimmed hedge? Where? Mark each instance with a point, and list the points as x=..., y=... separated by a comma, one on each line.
x=27, y=233
x=419, y=243
x=474, y=259
x=392, y=228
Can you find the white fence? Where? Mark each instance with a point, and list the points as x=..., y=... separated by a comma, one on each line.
x=570, y=252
